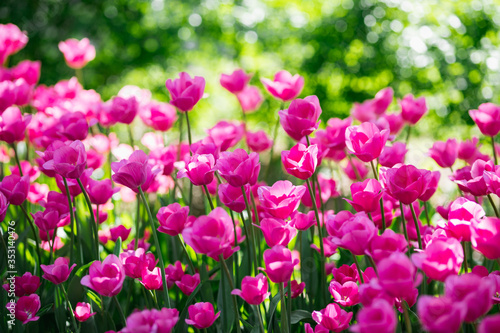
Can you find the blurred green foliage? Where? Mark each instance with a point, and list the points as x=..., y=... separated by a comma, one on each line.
x=347, y=50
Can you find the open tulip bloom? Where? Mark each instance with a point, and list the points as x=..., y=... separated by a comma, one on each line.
x=346, y=232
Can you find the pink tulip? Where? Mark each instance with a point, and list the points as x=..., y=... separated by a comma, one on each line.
x=487, y=118
x=489, y=324
x=28, y=70
x=384, y=245
x=377, y=317
x=461, y=213
x=134, y=172
x=366, y=141
x=199, y=169
x=284, y=86
x=366, y=195
x=15, y=188
x=441, y=258
x=281, y=199
x=296, y=288
x=202, y=315
x=23, y=92
x=277, y=232
x=395, y=121
x=279, y=263
x=211, y=234
x=346, y=273
x=302, y=221
x=392, y=155
x=258, y=141
x=333, y=136
x=468, y=150
x=412, y=109
x=100, y=191
x=77, y=53
x=250, y=99
x=13, y=125
x=344, y=294
x=12, y=39
x=492, y=180
x=124, y=110
x=333, y=317
x=82, y=311
x=254, y=290
x=485, y=237
x=239, y=168
x=355, y=168
x=406, y=183
x=105, y=278
x=172, y=218
x=232, y=197
x=69, y=160
x=24, y=285
x=226, y=134
x=159, y=116
x=444, y=153
x=440, y=314
x=185, y=91
x=236, y=81
x=174, y=273
x=188, y=283
x=58, y=272
x=7, y=95
x=432, y=185
x=26, y=308
x=74, y=126
x=301, y=117
x=355, y=234
x=135, y=262
x=300, y=161
x=37, y=192
x=397, y=275
x=57, y=201
x=119, y=232
x=147, y=321
x=151, y=279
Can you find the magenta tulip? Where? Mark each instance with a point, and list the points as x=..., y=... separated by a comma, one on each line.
x=174, y=273
x=440, y=314
x=366, y=195
x=136, y=261
x=13, y=125
x=239, y=168
x=258, y=141
x=83, y=312
x=489, y=324
x=232, y=197
x=185, y=91
x=236, y=81
x=412, y=109
x=392, y=155
x=159, y=116
x=28, y=70
x=397, y=275
x=250, y=99
x=202, y=315
x=441, y=258
x=24, y=285
x=279, y=263
x=74, y=126
x=384, y=245
x=301, y=221
x=276, y=232
x=300, y=161
x=188, y=283
x=26, y=308
x=106, y=278
x=461, y=212
x=69, y=160
x=378, y=317
x=485, y=237
x=15, y=188
x=356, y=170
x=344, y=294
x=281, y=199
x=284, y=86
x=406, y=183
x=147, y=321
x=333, y=317
x=366, y=141
x=172, y=219
x=58, y=272
x=226, y=134
x=254, y=290
x=301, y=117
x=134, y=172
x=77, y=53
x=12, y=40
x=444, y=153
x=355, y=234
x=199, y=169
x=487, y=118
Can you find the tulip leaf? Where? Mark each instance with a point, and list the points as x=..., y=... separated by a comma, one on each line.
x=80, y=272
x=95, y=298
x=60, y=311
x=45, y=309
x=118, y=247
x=272, y=309
x=224, y=303
x=180, y=327
x=299, y=315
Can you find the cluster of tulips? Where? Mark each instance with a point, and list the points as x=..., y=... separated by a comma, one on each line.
x=227, y=251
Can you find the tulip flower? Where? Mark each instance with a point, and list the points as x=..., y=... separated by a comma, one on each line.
x=250, y=99
x=136, y=261
x=301, y=117
x=174, y=273
x=12, y=40
x=344, y=294
x=303, y=221
x=7, y=96
x=185, y=91
x=254, y=290
x=487, y=118
x=236, y=81
x=333, y=137
x=377, y=317
x=28, y=70
x=461, y=212
x=395, y=121
x=188, y=283
x=281, y=199
x=100, y=191
x=297, y=288
x=226, y=134
x=406, y=183
x=258, y=141
x=392, y=155
x=300, y=161
x=26, y=308
x=333, y=317
x=356, y=170
x=366, y=141
x=284, y=86
x=489, y=324
x=159, y=116
x=444, y=153
x=77, y=53
x=276, y=232
x=355, y=234
x=202, y=315
x=82, y=311
x=239, y=168
x=412, y=109
x=69, y=160
x=119, y=232
x=13, y=125
x=232, y=197
x=134, y=172
x=397, y=275
x=152, y=320
x=15, y=188
x=123, y=110
x=151, y=279
x=384, y=245
x=485, y=237
x=432, y=186
x=199, y=169
x=172, y=219
x=24, y=285
x=279, y=263
x=366, y=195
x=74, y=126
x=441, y=258
x=106, y=278
x=440, y=314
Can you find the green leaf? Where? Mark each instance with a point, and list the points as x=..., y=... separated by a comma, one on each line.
x=95, y=298
x=299, y=315
x=180, y=327
x=60, y=311
x=45, y=309
x=225, y=303
x=118, y=247
x=80, y=272
x=272, y=309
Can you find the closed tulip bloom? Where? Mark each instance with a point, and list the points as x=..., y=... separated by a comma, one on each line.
x=124, y=110
x=346, y=273
x=239, y=168
x=133, y=172
x=69, y=160
x=199, y=169
x=119, y=232
x=440, y=314
x=355, y=234
x=74, y=126
x=250, y=99
x=301, y=117
x=355, y=168
x=26, y=308
x=392, y=155
x=7, y=95
x=28, y=70
x=279, y=263
x=333, y=318
x=468, y=149
x=475, y=182
x=406, y=183
x=441, y=258
x=151, y=279
x=232, y=197
x=46, y=220
x=136, y=261
x=384, y=245
x=444, y=153
x=412, y=109
x=106, y=278
x=492, y=180
x=188, y=283
x=23, y=92
x=153, y=320
x=300, y=161
x=185, y=91
x=276, y=232
x=26, y=284
x=378, y=317
x=254, y=290
x=77, y=53
x=172, y=219
x=58, y=272
x=432, y=186
x=15, y=188
x=397, y=275
x=489, y=324
x=13, y=125
x=303, y=221
x=226, y=134
x=159, y=116
x=100, y=191
x=395, y=121
x=297, y=288
x=202, y=315
x=284, y=86
x=461, y=212
x=82, y=311
x=366, y=141
x=12, y=39
x=211, y=234
x=485, y=237
x=236, y=81
x=487, y=118
x=333, y=136
x=258, y=141
x=344, y=294
x=281, y=199
x=366, y=195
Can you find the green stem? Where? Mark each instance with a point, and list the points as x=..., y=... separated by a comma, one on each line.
x=408, y=135
x=289, y=306
x=120, y=311
x=210, y=202
x=16, y=157
x=72, y=219
x=190, y=262
x=493, y=205
x=95, y=227
x=261, y=324
x=405, y=232
x=494, y=150
x=236, y=269
x=231, y=285
x=465, y=264
x=250, y=230
x=426, y=213
x=131, y=136
x=415, y=220
x=360, y=273
x=284, y=320
x=137, y=221
x=189, y=132
x=157, y=245
x=374, y=170
x=79, y=75
x=72, y=314
x=37, y=241
x=407, y=317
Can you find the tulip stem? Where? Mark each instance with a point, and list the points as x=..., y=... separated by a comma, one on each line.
x=465, y=265
x=360, y=273
x=261, y=324
x=493, y=205
x=72, y=219
x=250, y=230
x=494, y=150
x=354, y=168
x=417, y=227
x=35, y=235
x=426, y=213
x=72, y=314
x=275, y=135
x=130, y=136
x=407, y=317
x=157, y=245
x=189, y=132
x=120, y=311
x=408, y=135
x=190, y=262
x=231, y=285
x=16, y=157
x=289, y=306
x=91, y=212
x=284, y=321
x=375, y=173
x=405, y=232
x=137, y=221
x=210, y=202
x=79, y=75
x=372, y=262
x=236, y=269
